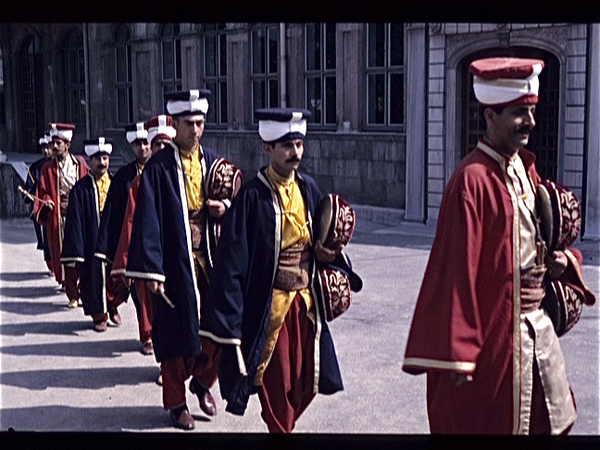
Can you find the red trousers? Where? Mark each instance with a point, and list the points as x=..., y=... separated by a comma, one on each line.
x=144, y=310
x=287, y=387
x=175, y=372
x=72, y=290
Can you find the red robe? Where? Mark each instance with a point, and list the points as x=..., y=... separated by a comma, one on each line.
x=48, y=189
x=464, y=316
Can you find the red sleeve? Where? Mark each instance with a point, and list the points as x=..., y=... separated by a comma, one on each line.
x=40, y=212
x=120, y=262
x=445, y=333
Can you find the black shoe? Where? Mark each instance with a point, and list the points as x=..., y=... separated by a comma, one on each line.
x=182, y=418
x=207, y=402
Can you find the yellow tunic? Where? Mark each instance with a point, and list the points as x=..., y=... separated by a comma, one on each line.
x=192, y=170
x=192, y=174
x=295, y=230
x=103, y=184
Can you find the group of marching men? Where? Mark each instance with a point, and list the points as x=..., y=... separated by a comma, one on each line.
x=222, y=273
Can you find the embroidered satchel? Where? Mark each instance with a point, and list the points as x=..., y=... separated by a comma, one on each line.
x=334, y=228
x=560, y=224
x=223, y=183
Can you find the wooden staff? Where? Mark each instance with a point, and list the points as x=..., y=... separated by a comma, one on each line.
x=32, y=197
x=28, y=194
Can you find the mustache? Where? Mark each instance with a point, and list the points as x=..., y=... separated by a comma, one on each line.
x=293, y=159
x=524, y=129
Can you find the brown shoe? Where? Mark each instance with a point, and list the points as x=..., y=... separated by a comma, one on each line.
x=101, y=326
x=148, y=348
x=207, y=402
x=182, y=418
x=115, y=317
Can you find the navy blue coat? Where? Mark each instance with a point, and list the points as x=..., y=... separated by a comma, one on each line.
x=241, y=286
x=160, y=250
x=114, y=212
x=81, y=233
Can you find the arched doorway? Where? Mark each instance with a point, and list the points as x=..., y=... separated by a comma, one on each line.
x=544, y=140
x=31, y=93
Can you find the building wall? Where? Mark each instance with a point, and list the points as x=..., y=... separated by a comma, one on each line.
x=450, y=43
x=405, y=168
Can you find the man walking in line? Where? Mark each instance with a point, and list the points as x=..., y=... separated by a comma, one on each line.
x=57, y=178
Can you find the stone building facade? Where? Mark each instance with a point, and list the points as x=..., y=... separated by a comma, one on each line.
x=391, y=102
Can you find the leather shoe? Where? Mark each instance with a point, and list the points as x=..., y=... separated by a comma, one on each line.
x=148, y=348
x=115, y=317
x=207, y=402
x=182, y=418
x=101, y=326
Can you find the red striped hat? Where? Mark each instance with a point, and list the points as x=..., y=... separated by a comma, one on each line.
x=506, y=81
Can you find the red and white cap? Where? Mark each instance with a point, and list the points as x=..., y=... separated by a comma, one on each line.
x=160, y=127
x=62, y=130
x=506, y=81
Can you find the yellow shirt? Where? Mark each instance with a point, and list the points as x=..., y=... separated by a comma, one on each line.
x=103, y=184
x=192, y=172
x=295, y=229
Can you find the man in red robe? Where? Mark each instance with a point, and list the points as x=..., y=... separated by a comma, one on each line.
x=56, y=180
x=490, y=351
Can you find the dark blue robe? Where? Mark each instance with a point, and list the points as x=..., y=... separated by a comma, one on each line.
x=114, y=212
x=160, y=250
x=81, y=233
x=241, y=286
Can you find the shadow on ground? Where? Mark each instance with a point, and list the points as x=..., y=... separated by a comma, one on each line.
x=90, y=349
x=85, y=379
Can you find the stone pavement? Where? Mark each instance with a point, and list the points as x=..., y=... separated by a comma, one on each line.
x=57, y=374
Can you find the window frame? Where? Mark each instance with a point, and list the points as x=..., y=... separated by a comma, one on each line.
x=323, y=74
x=268, y=77
x=388, y=71
x=74, y=90
x=127, y=84
x=218, y=112
x=174, y=83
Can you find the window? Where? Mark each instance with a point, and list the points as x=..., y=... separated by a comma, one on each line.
x=74, y=73
x=123, y=83
x=171, y=58
x=385, y=74
x=215, y=71
x=265, y=67
x=2, y=107
x=320, y=73
x=31, y=92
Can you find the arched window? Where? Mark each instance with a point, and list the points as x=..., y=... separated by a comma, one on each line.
x=74, y=76
x=171, y=58
x=31, y=92
x=123, y=85
x=215, y=71
x=319, y=72
x=544, y=139
x=264, y=66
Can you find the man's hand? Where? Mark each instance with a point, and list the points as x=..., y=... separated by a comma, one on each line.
x=216, y=208
x=156, y=287
x=556, y=262
x=49, y=204
x=324, y=254
x=460, y=378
